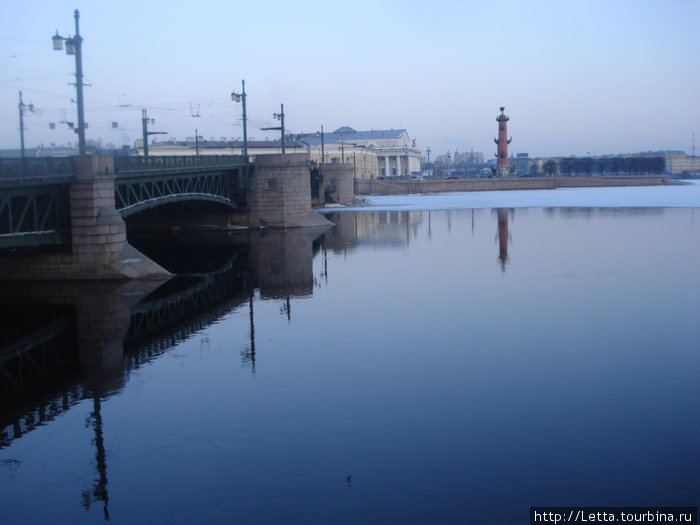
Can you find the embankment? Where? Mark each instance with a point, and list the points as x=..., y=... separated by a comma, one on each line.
x=404, y=186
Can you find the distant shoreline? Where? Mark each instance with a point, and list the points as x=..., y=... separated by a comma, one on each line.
x=406, y=186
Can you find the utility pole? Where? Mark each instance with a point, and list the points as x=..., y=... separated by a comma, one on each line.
x=22, y=107
x=278, y=116
x=240, y=97
x=74, y=47
x=79, y=83
x=323, y=149
x=145, y=121
x=196, y=142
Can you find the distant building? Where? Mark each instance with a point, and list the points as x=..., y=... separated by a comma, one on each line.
x=678, y=163
x=223, y=146
x=522, y=163
x=373, y=154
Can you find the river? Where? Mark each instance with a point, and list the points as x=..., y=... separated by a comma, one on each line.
x=449, y=358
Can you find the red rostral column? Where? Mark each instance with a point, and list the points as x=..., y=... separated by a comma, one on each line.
x=502, y=141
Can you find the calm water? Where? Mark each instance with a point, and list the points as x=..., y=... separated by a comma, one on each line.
x=407, y=365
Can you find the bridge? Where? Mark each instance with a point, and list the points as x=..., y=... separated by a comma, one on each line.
x=80, y=204
x=35, y=194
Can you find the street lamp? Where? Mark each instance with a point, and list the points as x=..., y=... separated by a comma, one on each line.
x=240, y=97
x=74, y=47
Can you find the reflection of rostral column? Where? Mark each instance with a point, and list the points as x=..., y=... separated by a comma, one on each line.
x=502, y=141
x=503, y=237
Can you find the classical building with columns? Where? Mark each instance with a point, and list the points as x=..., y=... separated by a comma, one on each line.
x=373, y=153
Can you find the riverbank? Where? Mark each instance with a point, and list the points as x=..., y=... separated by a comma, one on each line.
x=399, y=187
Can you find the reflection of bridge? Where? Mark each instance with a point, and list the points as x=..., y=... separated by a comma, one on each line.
x=33, y=357
x=107, y=329
x=29, y=362
x=160, y=310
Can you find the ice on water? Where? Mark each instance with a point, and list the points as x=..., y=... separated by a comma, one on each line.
x=674, y=195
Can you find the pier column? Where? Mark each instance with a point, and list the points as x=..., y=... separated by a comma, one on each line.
x=282, y=195
x=98, y=233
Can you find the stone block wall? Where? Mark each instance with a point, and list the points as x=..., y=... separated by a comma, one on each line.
x=282, y=195
x=339, y=176
x=397, y=187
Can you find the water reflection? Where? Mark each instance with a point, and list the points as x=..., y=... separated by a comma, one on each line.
x=502, y=237
x=379, y=228
x=106, y=329
x=74, y=341
x=401, y=303
x=396, y=228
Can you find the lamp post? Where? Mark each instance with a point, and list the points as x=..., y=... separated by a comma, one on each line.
x=145, y=121
x=22, y=107
x=74, y=47
x=240, y=97
x=323, y=147
x=278, y=116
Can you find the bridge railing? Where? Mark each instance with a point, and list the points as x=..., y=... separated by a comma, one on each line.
x=36, y=168
x=170, y=162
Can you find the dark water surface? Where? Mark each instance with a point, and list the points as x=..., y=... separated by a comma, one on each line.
x=403, y=367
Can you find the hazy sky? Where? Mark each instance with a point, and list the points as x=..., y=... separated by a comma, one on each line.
x=576, y=76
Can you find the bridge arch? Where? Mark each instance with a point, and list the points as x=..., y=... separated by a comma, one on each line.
x=154, y=202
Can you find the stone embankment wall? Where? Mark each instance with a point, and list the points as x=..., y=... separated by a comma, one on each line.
x=341, y=177
x=397, y=187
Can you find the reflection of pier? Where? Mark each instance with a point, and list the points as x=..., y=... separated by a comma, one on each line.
x=107, y=329
x=103, y=331
x=385, y=228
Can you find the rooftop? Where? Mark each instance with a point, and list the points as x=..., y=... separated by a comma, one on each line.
x=347, y=134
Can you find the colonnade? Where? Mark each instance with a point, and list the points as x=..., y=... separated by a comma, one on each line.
x=396, y=163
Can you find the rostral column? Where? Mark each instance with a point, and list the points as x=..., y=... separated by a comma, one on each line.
x=502, y=141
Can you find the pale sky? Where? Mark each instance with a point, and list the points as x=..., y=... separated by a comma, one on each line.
x=575, y=76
